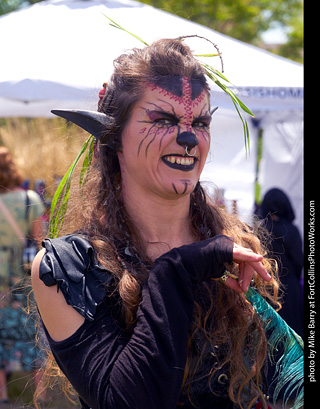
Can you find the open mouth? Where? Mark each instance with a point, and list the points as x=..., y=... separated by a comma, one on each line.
x=180, y=162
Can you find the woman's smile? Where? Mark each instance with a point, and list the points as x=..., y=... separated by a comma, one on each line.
x=179, y=162
x=166, y=141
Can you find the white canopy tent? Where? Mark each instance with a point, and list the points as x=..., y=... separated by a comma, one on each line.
x=57, y=53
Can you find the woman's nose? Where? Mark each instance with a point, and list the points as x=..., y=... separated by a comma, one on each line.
x=187, y=140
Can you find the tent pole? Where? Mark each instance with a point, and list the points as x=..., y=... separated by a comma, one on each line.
x=259, y=134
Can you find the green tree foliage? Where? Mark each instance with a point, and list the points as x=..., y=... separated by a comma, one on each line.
x=6, y=6
x=245, y=20
x=294, y=46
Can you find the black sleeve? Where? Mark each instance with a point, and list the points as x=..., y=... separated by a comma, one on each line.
x=147, y=372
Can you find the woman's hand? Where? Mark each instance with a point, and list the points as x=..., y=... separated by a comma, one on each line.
x=248, y=263
x=208, y=259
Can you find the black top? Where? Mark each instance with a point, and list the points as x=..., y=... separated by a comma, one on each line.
x=113, y=369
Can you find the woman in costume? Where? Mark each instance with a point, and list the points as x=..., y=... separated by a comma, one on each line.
x=142, y=298
x=20, y=216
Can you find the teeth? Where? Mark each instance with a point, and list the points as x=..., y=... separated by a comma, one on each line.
x=180, y=160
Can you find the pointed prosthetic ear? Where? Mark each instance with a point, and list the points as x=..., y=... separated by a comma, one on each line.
x=91, y=121
x=213, y=110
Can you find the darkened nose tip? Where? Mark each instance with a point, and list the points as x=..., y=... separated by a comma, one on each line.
x=187, y=140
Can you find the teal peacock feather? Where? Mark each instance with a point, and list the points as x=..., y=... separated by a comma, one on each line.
x=290, y=367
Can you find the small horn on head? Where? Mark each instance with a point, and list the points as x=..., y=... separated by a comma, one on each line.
x=213, y=110
x=91, y=121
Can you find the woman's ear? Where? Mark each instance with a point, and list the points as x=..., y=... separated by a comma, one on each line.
x=91, y=121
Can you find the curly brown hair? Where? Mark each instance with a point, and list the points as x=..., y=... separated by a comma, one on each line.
x=10, y=176
x=228, y=322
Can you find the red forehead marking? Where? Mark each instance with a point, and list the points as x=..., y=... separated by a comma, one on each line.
x=187, y=103
x=185, y=99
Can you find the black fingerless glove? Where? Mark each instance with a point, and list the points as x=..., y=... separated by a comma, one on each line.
x=206, y=259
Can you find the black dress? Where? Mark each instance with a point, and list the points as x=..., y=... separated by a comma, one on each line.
x=108, y=366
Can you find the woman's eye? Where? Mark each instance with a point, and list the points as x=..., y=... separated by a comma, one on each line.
x=200, y=124
x=162, y=118
x=164, y=121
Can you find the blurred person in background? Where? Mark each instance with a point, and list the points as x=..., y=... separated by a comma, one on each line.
x=20, y=218
x=286, y=247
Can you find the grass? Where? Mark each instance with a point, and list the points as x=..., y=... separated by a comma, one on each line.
x=21, y=389
x=42, y=148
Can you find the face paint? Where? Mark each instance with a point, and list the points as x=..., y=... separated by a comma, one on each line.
x=185, y=91
x=189, y=94
x=151, y=152
x=184, y=182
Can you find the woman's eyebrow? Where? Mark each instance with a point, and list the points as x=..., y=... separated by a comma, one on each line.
x=162, y=109
x=204, y=118
x=155, y=114
x=158, y=111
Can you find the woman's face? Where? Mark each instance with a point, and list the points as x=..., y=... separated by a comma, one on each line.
x=151, y=159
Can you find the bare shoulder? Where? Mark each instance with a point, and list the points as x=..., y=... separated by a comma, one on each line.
x=60, y=319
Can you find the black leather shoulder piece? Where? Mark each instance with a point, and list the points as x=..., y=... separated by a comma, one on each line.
x=70, y=263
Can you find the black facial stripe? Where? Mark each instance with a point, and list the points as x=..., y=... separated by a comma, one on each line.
x=152, y=140
x=207, y=112
x=174, y=86
x=184, y=191
x=140, y=144
x=203, y=133
x=162, y=109
x=205, y=115
x=163, y=137
x=185, y=188
x=196, y=88
x=174, y=188
x=172, y=108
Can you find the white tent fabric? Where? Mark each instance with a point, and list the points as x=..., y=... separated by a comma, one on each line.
x=57, y=54
x=282, y=157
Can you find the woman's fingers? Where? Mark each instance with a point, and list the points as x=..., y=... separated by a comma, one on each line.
x=242, y=281
x=248, y=263
x=245, y=254
x=246, y=276
x=234, y=284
